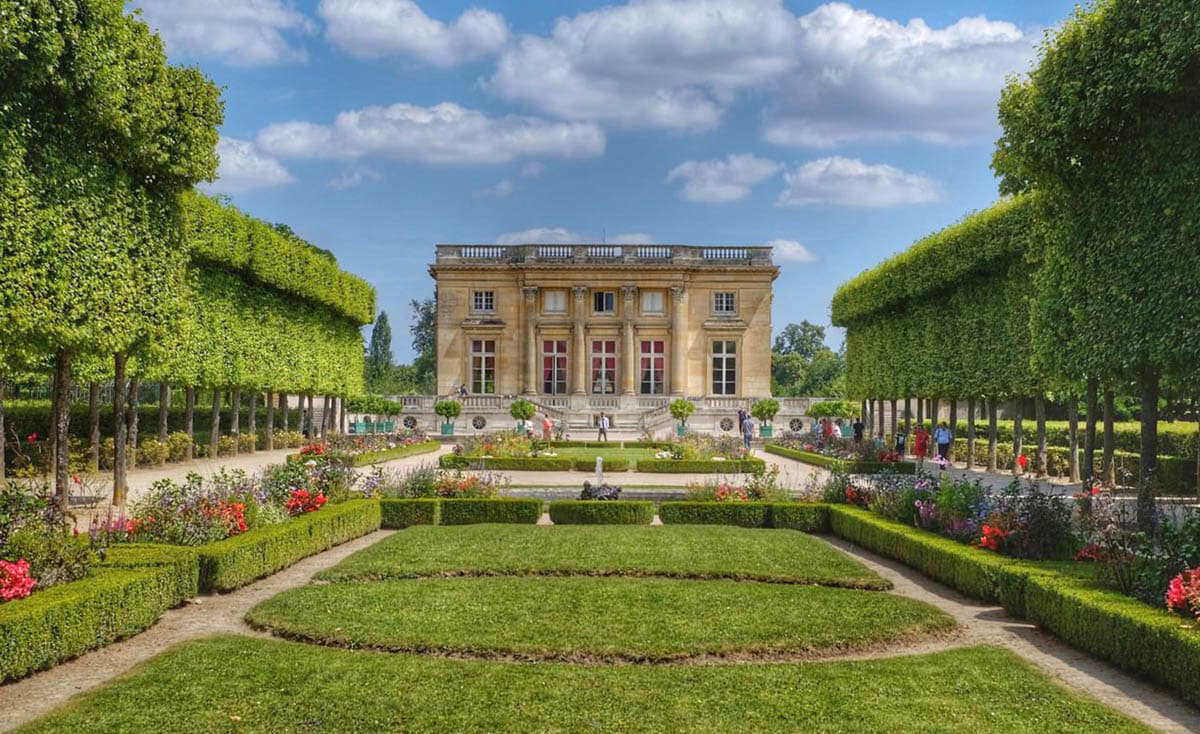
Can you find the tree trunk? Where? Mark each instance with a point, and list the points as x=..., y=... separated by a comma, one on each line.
x=62, y=426
x=342, y=415
x=970, y=433
x=252, y=426
x=1148, y=379
x=283, y=406
x=895, y=426
x=1108, y=468
x=866, y=414
x=935, y=412
x=120, y=435
x=3, y=395
x=189, y=415
x=93, y=427
x=907, y=417
x=164, y=406
x=326, y=408
x=953, y=425
x=235, y=418
x=270, y=421
x=921, y=412
x=1018, y=433
x=135, y=389
x=312, y=417
x=992, y=462
x=215, y=436
x=1073, y=433
x=1089, y=434
x=1039, y=411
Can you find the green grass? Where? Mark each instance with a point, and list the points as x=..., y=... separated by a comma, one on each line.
x=700, y=551
x=231, y=683
x=586, y=618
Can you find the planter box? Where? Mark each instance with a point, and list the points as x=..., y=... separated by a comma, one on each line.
x=447, y=429
x=766, y=431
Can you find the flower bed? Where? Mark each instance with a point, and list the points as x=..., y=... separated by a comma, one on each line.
x=389, y=451
x=601, y=512
x=844, y=466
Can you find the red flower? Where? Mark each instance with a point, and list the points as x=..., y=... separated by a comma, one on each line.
x=1183, y=592
x=303, y=501
x=1023, y=461
x=992, y=537
x=15, y=581
x=31, y=437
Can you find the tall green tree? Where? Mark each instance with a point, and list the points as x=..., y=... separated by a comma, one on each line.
x=804, y=339
x=379, y=351
x=424, y=343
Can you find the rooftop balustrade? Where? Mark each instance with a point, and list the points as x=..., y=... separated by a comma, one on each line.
x=590, y=254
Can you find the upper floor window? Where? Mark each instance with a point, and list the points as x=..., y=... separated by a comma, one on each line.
x=724, y=303
x=555, y=302
x=653, y=302
x=484, y=301
x=604, y=302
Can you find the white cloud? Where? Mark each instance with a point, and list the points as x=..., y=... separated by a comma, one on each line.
x=722, y=180
x=533, y=169
x=238, y=32
x=444, y=133
x=243, y=168
x=539, y=236
x=353, y=177
x=834, y=75
x=850, y=182
x=790, y=251
x=378, y=28
x=498, y=190
x=632, y=238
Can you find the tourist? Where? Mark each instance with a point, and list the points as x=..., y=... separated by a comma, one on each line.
x=462, y=390
x=879, y=443
x=858, y=431
x=827, y=427
x=943, y=436
x=747, y=432
x=921, y=442
x=547, y=427
x=602, y=424
x=900, y=439
x=846, y=430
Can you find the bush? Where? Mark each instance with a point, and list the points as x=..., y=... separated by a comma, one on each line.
x=226, y=446
x=840, y=465
x=152, y=452
x=807, y=517
x=177, y=446
x=448, y=409
x=183, y=562
x=68, y=620
x=597, y=512
x=501, y=510
x=618, y=463
x=402, y=513
x=743, y=514
x=247, y=442
x=234, y=562
x=532, y=463
x=681, y=409
x=288, y=439
x=55, y=556
x=750, y=465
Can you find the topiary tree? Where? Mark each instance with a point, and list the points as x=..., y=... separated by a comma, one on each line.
x=765, y=410
x=681, y=410
x=522, y=410
x=448, y=410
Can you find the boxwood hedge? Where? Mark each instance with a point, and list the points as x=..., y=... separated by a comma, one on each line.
x=455, y=461
x=750, y=465
x=616, y=463
x=806, y=517
x=598, y=512
x=525, y=510
x=402, y=513
x=840, y=465
x=743, y=514
x=182, y=561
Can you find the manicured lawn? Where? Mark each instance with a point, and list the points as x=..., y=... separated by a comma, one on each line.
x=580, y=618
x=234, y=683
x=686, y=551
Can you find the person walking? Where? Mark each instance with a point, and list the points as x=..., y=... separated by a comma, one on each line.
x=462, y=390
x=602, y=425
x=858, y=431
x=920, y=442
x=827, y=427
x=747, y=432
x=942, y=435
x=900, y=439
x=547, y=427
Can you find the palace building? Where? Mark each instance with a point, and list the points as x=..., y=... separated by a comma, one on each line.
x=618, y=327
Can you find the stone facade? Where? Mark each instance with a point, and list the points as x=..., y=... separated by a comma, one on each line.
x=622, y=327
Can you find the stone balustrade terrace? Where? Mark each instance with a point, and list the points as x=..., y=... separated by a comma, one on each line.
x=599, y=254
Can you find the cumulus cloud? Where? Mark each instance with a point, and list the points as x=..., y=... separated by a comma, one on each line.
x=834, y=75
x=378, y=28
x=353, y=177
x=498, y=190
x=444, y=133
x=790, y=251
x=533, y=169
x=237, y=32
x=244, y=168
x=539, y=236
x=850, y=182
x=721, y=180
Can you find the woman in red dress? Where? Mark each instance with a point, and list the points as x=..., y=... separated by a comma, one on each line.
x=920, y=443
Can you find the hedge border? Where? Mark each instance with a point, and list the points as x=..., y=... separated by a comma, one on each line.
x=614, y=464
x=183, y=562
x=601, y=512
x=234, y=562
x=531, y=463
x=471, y=511
x=751, y=465
x=841, y=465
x=402, y=513
x=1113, y=627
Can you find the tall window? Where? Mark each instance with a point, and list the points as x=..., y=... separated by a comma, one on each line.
x=554, y=367
x=652, y=302
x=724, y=367
x=555, y=302
x=483, y=366
x=604, y=367
x=604, y=301
x=652, y=368
x=724, y=303
x=484, y=301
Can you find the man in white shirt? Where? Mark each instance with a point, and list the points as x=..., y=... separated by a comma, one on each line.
x=602, y=424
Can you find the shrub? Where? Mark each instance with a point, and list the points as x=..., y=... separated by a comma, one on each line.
x=806, y=517
x=288, y=439
x=617, y=463
x=247, y=442
x=765, y=409
x=420, y=481
x=448, y=409
x=498, y=510
x=522, y=410
x=152, y=452
x=184, y=564
x=596, y=512
x=226, y=446
x=455, y=461
x=54, y=556
x=743, y=514
x=681, y=410
x=701, y=466
x=177, y=446
x=402, y=513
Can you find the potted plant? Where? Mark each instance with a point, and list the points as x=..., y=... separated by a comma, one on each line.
x=764, y=410
x=522, y=410
x=448, y=410
x=681, y=410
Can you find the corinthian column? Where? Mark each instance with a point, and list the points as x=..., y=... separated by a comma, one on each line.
x=679, y=302
x=531, y=351
x=628, y=352
x=580, y=358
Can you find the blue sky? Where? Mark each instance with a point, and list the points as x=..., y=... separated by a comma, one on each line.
x=838, y=132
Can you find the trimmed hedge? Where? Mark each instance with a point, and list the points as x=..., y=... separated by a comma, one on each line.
x=183, y=562
x=68, y=620
x=807, y=517
x=614, y=464
x=377, y=457
x=525, y=510
x=751, y=465
x=841, y=465
x=742, y=514
x=234, y=562
x=599, y=512
x=1104, y=623
x=402, y=513
x=454, y=461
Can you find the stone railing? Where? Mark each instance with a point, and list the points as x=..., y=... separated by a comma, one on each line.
x=694, y=255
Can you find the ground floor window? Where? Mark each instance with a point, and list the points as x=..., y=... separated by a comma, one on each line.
x=724, y=367
x=483, y=366
x=554, y=367
x=652, y=367
x=604, y=367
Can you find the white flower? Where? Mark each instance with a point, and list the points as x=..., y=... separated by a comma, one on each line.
x=310, y=462
x=718, y=458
